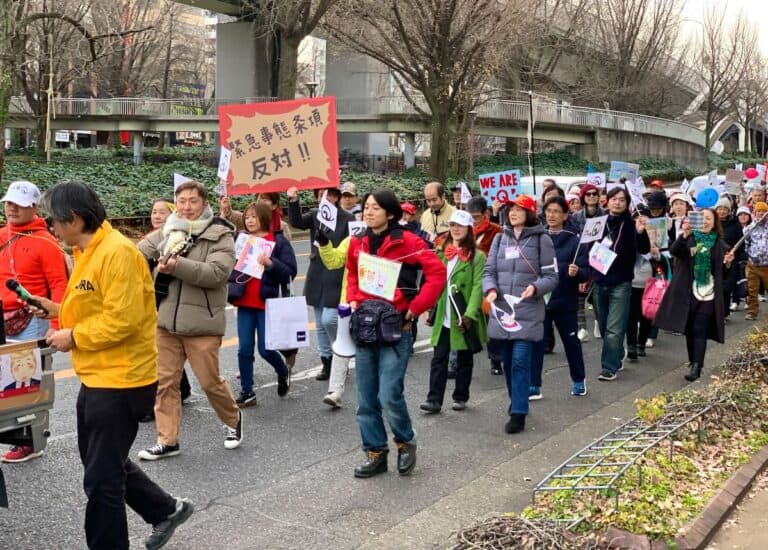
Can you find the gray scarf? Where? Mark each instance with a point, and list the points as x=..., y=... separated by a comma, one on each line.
x=177, y=230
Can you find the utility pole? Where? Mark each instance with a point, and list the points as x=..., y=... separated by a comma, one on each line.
x=531, y=159
x=167, y=71
x=50, y=101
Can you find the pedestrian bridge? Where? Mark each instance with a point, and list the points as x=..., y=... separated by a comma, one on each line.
x=598, y=134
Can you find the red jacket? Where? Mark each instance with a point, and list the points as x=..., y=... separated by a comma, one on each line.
x=413, y=253
x=35, y=260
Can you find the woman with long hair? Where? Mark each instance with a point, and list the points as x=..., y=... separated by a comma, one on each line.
x=458, y=317
x=694, y=303
x=279, y=269
x=521, y=269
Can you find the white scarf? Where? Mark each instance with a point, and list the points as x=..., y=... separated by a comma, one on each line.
x=177, y=229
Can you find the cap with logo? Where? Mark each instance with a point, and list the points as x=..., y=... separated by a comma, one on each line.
x=24, y=193
x=461, y=217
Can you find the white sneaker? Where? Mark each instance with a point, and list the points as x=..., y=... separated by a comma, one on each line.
x=234, y=436
x=650, y=343
x=761, y=297
x=733, y=306
x=583, y=335
x=596, y=332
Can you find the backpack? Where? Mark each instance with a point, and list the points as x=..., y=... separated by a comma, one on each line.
x=376, y=322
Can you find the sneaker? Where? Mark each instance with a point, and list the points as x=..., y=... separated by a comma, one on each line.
x=431, y=407
x=459, y=405
x=641, y=351
x=534, y=393
x=20, y=453
x=621, y=366
x=159, y=451
x=283, y=385
x=650, y=343
x=162, y=532
x=750, y=317
x=332, y=399
x=607, y=376
x=246, y=399
x=596, y=331
x=583, y=335
x=234, y=436
x=761, y=297
x=496, y=367
x=631, y=355
x=579, y=388
x=734, y=306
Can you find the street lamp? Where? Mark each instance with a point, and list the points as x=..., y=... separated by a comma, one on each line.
x=312, y=87
x=472, y=116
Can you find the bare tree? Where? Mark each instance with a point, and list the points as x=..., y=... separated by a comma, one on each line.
x=440, y=52
x=751, y=97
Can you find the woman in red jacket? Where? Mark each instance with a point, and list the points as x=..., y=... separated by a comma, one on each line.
x=380, y=368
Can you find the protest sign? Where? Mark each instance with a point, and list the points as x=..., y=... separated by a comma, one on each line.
x=733, y=179
x=636, y=189
x=657, y=232
x=611, y=186
x=248, y=260
x=696, y=220
x=224, y=161
x=593, y=229
x=506, y=320
x=20, y=373
x=466, y=195
x=356, y=228
x=761, y=171
x=739, y=166
x=712, y=179
x=377, y=276
x=601, y=257
x=178, y=179
x=626, y=170
x=684, y=186
x=596, y=178
x=503, y=186
x=274, y=146
x=327, y=213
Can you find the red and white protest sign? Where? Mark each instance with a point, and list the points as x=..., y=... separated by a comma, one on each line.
x=278, y=145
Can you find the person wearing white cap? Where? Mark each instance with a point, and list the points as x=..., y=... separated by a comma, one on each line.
x=679, y=204
x=457, y=320
x=32, y=256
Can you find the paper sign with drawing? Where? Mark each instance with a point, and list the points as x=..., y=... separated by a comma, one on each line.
x=20, y=372
x=377, y=276
x=250, y=250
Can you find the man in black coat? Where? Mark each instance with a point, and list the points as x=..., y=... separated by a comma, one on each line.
x=322, y=286
x=732, y=232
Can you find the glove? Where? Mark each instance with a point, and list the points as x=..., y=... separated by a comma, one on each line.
x=321, y=238
x=466, y=323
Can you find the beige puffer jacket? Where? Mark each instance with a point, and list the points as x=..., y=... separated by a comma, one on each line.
x=197, y=295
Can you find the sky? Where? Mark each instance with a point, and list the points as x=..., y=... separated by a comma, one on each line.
x=756, y=10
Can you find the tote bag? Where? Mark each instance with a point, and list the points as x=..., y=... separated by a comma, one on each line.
x=653, y=294
x=286, y=323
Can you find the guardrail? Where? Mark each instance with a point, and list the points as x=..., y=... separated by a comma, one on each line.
x=392, y=106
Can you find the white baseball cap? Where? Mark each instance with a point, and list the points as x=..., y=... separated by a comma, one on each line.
x=24, y=193
x=461, y=217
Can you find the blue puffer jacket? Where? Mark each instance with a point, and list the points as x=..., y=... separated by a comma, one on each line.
x=566, y=296
x=535, y=265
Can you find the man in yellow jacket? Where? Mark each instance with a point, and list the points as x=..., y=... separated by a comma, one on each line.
x=107, y=319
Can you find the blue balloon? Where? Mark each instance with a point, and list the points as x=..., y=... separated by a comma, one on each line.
x=707, y=198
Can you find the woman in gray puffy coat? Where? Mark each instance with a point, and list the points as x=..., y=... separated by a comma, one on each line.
x=521, y=264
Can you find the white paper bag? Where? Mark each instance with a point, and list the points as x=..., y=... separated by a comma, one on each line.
x=286, y=323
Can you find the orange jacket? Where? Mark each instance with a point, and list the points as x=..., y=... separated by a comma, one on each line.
x=33, y=258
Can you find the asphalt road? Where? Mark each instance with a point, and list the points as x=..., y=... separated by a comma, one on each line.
x=290, y=483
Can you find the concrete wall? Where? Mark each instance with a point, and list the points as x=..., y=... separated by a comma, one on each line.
x=242, y=62
x=613, y=145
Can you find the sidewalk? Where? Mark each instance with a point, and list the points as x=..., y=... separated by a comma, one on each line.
x=747, y=528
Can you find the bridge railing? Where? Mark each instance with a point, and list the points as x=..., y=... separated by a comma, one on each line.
x=494, y=110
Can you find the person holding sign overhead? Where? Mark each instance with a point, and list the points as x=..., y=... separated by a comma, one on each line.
x=521, y=269
x=382, y=270
x=613, y=267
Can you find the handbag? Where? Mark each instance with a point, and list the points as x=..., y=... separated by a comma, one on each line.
x=653, y=294
x=17, y=320
x=470, y=336
x=236, y=284
x=286, y=323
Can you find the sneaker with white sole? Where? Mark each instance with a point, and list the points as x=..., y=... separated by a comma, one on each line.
x=606, y=375
x=163, y=531
x=156, y=452
x=579, y=388
x=583, y=335
x=20, y=453
x=733, y=306
x=534, y=393
x=650, y=343
x=234, y=436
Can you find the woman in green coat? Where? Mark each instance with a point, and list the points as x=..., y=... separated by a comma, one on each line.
x=458, y=322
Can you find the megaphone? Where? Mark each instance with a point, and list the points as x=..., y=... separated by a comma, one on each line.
x=344, y=346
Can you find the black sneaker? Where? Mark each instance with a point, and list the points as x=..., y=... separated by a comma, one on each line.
x=431, y=407
x=162, y=532
x=234, y=436
x=283, y=385
x=246, y=399
x=159, y=451
x=607, y=376
x=496, y=367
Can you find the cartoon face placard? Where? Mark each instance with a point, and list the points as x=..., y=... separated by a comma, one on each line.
x=20, y=372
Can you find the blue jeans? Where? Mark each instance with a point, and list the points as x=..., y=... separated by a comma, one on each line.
x=379, y=372
x=516, y=358
x=612, y=312
x=249, y=321
x=326, y=322
x=35, y=330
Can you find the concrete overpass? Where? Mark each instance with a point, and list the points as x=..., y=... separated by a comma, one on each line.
x=598, y=135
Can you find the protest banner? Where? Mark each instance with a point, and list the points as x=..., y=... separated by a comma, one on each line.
x=626, y=170
x=596, y=178
x=503, y=186
x=657, y=232
x=274, y=146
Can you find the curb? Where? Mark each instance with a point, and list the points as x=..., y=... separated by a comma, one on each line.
x=701, y=530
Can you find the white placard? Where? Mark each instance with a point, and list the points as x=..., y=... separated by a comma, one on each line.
x=596, y=178
x=178, y=179
x=466, y=195
x=248, y=259
x=224, y=158
x=327, y=213
x=356, y=228
x=684, y=186
x=593, y=229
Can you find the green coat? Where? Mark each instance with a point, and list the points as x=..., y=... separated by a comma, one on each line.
x=467, y=277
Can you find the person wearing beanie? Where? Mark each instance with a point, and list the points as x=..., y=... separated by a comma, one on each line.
x=756, y=245
x=732, y=232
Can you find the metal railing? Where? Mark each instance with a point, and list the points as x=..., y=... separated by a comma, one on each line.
x=551, y=114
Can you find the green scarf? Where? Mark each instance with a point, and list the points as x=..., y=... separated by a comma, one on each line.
x=702, y=261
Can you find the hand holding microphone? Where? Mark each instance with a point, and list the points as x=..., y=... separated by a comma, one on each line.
x=14, y=286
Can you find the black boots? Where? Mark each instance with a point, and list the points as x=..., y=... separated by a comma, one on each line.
x=406, y=458
x=694, y=373
x=325, y=374
x=515, y=424
x=376, y=464
x=496, y=367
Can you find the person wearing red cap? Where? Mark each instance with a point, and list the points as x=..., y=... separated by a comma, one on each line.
x=657, y=184
x=521, y=265
x=410, y=223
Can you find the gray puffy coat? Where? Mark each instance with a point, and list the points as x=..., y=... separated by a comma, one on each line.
x=535, y=265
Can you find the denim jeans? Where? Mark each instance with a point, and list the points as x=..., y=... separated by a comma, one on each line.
x=35, y=330
x=379, y=372
x=326, y=322
x=516, y=357
x=249, y=321
x=612, y=312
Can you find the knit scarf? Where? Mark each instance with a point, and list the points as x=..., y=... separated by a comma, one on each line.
x=177, y=229
x=480, y=229
x=702, y=260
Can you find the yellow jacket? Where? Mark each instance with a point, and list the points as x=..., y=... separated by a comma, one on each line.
x=110, y=305
x=335, y=258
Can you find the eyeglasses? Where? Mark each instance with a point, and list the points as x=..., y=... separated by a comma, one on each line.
x=590, y=194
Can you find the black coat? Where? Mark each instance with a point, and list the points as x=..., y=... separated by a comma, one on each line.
x=675, y=308
x=322, y=286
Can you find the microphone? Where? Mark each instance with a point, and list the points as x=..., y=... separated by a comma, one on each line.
x=14, y=286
